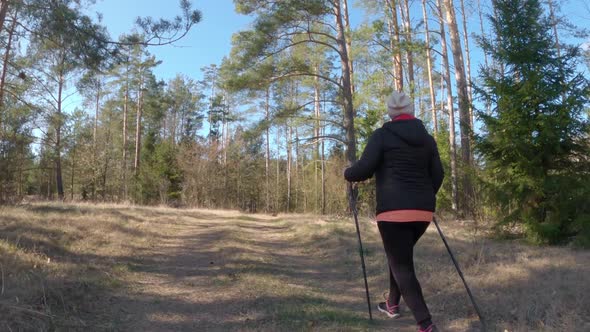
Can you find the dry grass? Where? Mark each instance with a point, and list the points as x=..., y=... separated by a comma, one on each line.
x=125, y=268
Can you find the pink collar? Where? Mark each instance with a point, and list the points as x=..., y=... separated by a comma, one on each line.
x=403, y=117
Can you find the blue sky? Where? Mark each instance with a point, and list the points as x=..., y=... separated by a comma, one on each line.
x=207, y=42
x=210, y=40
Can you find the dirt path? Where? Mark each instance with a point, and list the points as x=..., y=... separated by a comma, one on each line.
x=212, y=272
x=126, y=268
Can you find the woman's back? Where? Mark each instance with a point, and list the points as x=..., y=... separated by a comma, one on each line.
x=406, y=164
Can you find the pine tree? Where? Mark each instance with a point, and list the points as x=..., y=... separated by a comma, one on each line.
x=292, y=23
x=533, y=142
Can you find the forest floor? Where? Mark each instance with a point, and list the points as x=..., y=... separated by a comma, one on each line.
x=67, y=267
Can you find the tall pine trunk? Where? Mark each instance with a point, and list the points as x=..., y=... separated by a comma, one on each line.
x=58, y=170
x=96, y=113
x=94, y=138
x=278, y=175
x=461, y=81
x=323, y=163
x=405, y=10
x=430, y=69
x=451, y=111
x=298, y=185
x=463, y=101
x=554, y=23
x=267, y=154
x=107, y=159
x=73, y=172
x=348, y=38
x=485, y=54
x=394, y=42
x=5, y=60
x=136, y=163
x=316, y=133
x=467, y=66
x=289, y=130
x=346, y=85
x=3, y=11
x=553, y=20
x=125, y=116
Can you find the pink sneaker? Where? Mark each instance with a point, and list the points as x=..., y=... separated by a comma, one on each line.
x=430, y=328
x=390, y=311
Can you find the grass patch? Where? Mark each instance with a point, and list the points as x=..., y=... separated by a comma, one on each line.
x=107, y=267
x=121, y=268
x=248, y=218
x=58, y=265
x=308, y=312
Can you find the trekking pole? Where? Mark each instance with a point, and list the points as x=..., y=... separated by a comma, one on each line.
x=352, y=202
x=483, y=326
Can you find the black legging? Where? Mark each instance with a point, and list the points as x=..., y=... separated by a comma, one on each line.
x=399, y=239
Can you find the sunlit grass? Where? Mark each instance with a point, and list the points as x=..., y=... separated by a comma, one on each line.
x=66, y=266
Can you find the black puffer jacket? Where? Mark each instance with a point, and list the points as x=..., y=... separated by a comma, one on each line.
x=406, y=164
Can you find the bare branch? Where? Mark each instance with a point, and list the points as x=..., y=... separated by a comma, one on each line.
x=309, y=40
x=327, y=137
x=295, y=74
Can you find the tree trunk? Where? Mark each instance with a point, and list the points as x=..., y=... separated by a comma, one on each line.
x=482, y=30
x=3, y=11
x=461, y=81
x=6, y=56
x=297, y=182
x=554, y=26
x=405, y=10
x=96, y=110
x=173, y=127
x=323, y=163
x=348, y=38
x=20, y=175
x=394, y=40
x=289, y=161
x=464, y=117
x=267, y=154
x=58, y=171
x=138, y=125
x=316, y=133
x=73, y=171
x=94, y=139
x=485, y=54
x=451, y=111
x=347, y=93
x=105, y=169
x=468, y=68
x=125, y=115
x=211, y=98
x=556, y=35
x=303, y=183
x=239, y=183
x=225, y=140
x=430, y=69
x=419, y=87
x=50, y=178
x=277, y=184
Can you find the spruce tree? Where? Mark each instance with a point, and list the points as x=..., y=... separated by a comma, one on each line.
x=533, y=142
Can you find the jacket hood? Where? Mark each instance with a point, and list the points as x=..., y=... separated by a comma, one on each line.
x=412, y=132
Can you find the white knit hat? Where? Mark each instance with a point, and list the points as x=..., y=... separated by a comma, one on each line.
x=399, y=103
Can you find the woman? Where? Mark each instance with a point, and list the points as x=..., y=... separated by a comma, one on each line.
x=408, y=171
